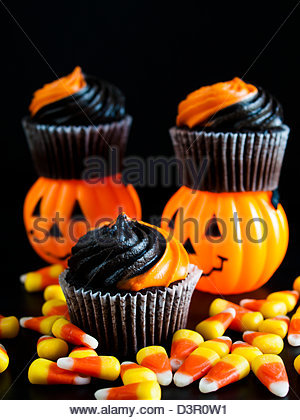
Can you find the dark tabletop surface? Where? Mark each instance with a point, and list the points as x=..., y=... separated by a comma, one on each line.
x=14, y=300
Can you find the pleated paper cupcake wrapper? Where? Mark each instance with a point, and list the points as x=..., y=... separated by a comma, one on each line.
x=231, y=161
x=60, y=152
x=123, y=324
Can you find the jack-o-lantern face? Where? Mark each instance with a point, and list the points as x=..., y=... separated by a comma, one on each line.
x=237, y=239
x=58, y=212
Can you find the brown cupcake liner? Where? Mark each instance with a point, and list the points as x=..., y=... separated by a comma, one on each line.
x=233, y=161
x=59, y=152
x=123, y=324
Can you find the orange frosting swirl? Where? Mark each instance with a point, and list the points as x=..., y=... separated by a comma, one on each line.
x=203, y=103
x=173, y=266
x=59, y=89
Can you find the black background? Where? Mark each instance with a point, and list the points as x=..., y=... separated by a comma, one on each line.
x=156, y=53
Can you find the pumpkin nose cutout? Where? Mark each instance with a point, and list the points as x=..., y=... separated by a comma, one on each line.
x=212, y=229
x=55, y=232
x=77, y=212
x=189, y=247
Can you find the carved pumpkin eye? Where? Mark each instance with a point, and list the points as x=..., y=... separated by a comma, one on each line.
x=212, y=228
x=77, y=212
x=37, y=210
x=171, y=224
x=189, y=247
x=55, y=231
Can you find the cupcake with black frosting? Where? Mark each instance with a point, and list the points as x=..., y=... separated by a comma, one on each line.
x=129, y=284
x=236, y=131
x=72, y=118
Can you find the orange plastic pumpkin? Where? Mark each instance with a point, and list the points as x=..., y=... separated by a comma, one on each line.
x=58, y=212
x=238, y=239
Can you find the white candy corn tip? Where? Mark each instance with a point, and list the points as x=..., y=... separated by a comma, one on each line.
x=245, y=301
x=82, y=380
x=238, y=342
x=102, y=394
x=247, y=333
x=206, y=385
x=65, y=363
x=164, y=378
x=282, y=317
x=2, y=347
x=279, y=388
x=127, y=363
x=180, y=379
x=294, y=339
x=231, y=311
x=90, y=341
x=175, y=364
x=23, y=278
x=24, y=320
x=225, y=338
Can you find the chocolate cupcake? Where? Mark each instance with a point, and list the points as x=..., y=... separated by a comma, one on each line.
x=130, y=285
x=73, y=118
x=236, y=132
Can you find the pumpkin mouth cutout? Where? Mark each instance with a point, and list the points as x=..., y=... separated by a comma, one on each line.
x=220, y=268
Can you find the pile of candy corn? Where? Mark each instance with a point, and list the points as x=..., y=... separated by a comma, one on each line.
x=204, y=354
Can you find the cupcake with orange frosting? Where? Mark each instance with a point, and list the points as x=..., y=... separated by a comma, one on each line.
x=72, y=118
x=235, y=132
x=129, y=284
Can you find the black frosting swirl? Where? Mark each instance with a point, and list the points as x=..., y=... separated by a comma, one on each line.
x=258, y=113
x=120, y=250
x=99, y=102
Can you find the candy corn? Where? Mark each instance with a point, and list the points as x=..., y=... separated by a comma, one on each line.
x=148, y=390
x=72, y=334
x=4, y=359
x=133, y=373
x=296, y=284
x=297, y=364
x=102, y=367
x=46, y=372
x=51, y=348
x=183, y=343
x=41, y=324
x=80, y=352
x=244, y=319
x=266, y=342
x=219, y=305
x=54, y=291
x=289, y=297
x=270, y=370
x=55, y=307
x=220, y=345
x=245, y=350
x=278, y=325
x=36, y=281
x=196, y=365
x=156, y=359
x=216, y=325
x=9, y=326
x=294, y=330
x=268, y=308
x=231, y=368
